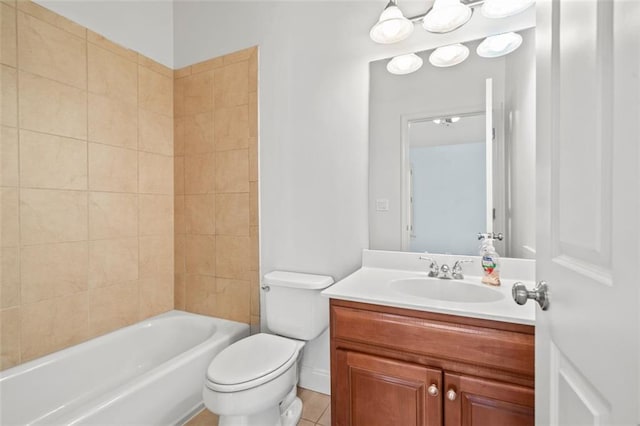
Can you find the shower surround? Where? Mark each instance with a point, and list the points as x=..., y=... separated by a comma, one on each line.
x=87, y=187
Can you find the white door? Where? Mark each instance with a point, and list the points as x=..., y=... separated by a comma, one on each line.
x=588, y=214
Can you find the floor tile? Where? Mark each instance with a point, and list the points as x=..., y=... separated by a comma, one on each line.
x=204, y=418
x=314, y=404
x=325, y=419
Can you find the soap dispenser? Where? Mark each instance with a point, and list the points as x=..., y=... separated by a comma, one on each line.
x=490, y=262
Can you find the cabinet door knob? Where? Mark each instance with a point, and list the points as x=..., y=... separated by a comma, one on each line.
x=451, y=395
x=433, y=390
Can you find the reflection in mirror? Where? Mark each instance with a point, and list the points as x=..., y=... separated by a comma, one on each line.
x=445, y=197
x=446, y=219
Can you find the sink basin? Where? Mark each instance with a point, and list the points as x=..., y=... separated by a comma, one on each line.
x=446, y=290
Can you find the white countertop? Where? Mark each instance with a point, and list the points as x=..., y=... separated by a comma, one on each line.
x=371, y=284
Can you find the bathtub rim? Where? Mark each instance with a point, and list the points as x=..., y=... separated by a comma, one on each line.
x=53, y=356
x=221, y=330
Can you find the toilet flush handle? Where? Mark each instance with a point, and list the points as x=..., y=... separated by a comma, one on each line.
x=265, y=288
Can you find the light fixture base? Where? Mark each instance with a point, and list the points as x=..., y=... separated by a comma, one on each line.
x=392, y=26
x=446, y=16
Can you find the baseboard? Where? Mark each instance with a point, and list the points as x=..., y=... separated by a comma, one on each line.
x=315, y=380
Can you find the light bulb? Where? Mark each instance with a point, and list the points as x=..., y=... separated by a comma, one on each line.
x=404, y=64
x=391, y=27
x=446, y=15
x=499, y=45
x=447, y=56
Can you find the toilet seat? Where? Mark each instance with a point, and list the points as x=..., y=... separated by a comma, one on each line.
x=251, y=362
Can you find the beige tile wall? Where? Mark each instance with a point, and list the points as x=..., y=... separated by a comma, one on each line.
x=87, y=186
x=216, y=187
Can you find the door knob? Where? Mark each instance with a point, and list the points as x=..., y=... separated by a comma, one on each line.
x=539, y=294
x=433, y=390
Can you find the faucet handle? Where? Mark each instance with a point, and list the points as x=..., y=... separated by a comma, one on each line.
x=445, y=272
x=433, y=267
x=456, y=272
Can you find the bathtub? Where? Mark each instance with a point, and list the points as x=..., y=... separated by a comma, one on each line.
x=150, y=373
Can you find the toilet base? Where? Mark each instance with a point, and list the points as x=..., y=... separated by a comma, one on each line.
x=287, y=413
x=269, y=417
x=292, y=415
x=290, y=409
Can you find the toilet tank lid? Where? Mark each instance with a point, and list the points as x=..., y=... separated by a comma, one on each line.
x=297, y=280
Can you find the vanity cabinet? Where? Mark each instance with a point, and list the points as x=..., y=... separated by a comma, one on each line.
x=392, y=366
x=476, y=401
x=384, y=391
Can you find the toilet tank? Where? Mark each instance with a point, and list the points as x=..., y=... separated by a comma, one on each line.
x=293, y=304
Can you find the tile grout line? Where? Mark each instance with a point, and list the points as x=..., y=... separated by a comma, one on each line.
x=216, y=248
x=183, y=231
x=249, y=212
x=139, y=281
x=88, y=301
x=19, y=190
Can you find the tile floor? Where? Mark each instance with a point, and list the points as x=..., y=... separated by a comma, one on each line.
x=316, y=411
x=316, y=408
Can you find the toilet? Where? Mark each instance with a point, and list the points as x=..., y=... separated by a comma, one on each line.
x=253, y=382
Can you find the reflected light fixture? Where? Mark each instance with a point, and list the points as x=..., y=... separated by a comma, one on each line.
x=446, y=120
x=404, y=64
x=446, y=15
x=448, y=56
x=499, y=45
x=503, y=8
x=392, y=26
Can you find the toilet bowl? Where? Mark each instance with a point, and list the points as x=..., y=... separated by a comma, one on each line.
x=252, y=378
x=253, y=382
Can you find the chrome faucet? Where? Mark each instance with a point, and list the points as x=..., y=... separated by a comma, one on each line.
x=433, y=267
x=456, y=273
x=445, y=272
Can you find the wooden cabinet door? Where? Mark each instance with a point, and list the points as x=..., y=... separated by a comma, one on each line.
x=471, y=401
x=376, y=391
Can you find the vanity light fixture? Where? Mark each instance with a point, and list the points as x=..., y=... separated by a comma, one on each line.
x=404, y=64
x=446, y=16
x=448, y=56
x=499, y=45
x=392, y=25
x=502, y=8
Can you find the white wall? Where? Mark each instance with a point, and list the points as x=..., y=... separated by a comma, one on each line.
x=520, y=134
x=144, y=26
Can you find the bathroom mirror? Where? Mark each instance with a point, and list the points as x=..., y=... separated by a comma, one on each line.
x=429, y=190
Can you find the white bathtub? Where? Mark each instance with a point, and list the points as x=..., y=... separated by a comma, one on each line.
x=150, y=373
